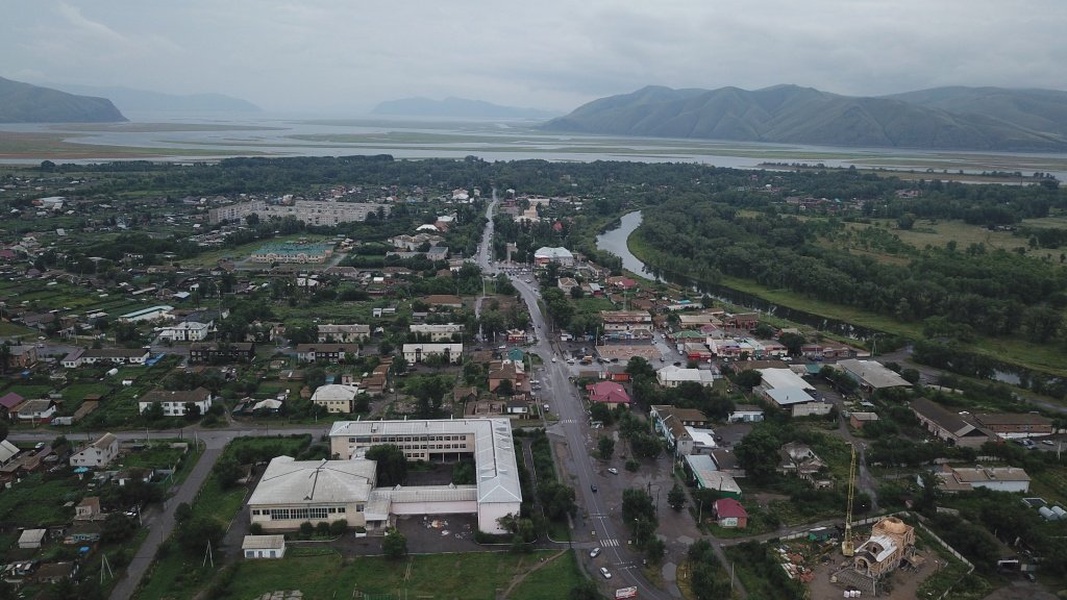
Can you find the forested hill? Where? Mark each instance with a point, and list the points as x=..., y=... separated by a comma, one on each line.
x=25, y=103
x=991, y=119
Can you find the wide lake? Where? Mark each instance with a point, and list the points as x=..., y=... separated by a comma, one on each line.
x=169, y=136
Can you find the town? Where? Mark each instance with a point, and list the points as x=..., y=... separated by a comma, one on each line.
x=223, y=393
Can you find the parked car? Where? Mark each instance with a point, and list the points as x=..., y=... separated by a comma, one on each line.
x=605, y=572
x=613, y=471
x=595, y=552
x=592, y=486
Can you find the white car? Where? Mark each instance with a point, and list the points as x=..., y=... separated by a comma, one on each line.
x=613, y=471
x=595, y=552
x=605, y=572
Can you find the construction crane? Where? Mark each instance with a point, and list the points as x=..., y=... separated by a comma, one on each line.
x=846, y=543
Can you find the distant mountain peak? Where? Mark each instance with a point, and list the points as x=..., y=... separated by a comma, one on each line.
x=942, y=118
x=25, y=103
x=133, y=100
x=456, y=108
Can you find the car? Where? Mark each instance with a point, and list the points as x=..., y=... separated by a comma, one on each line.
x=613, y=471
x=1048, y=442
x=592, y=486
x=605, y=572
x=595, y=552
x=553, y=359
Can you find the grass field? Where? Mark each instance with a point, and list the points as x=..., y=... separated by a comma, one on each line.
x=437, y=577
x=38, y=502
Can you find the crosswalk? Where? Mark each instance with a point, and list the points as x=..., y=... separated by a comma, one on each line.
x=609, y=543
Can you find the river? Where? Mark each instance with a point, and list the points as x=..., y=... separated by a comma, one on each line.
x=615, y=241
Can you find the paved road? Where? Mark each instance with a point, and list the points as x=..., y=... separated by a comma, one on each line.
x=160, y=523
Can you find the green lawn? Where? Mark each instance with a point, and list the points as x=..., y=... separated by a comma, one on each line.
x=439, y=577
x=37, y=502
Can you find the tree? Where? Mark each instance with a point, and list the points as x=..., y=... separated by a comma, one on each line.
x=392, y=467
x=748, y=379
x=606, y=447
x=394, y=545
x=757, y=453
x=194, y=536
x=182, y=513
x=227, y=471
x=585, y=590
x=676, y=498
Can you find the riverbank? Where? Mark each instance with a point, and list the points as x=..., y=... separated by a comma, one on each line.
x=1014, y=356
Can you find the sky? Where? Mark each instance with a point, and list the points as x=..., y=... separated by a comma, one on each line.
x=345, y=56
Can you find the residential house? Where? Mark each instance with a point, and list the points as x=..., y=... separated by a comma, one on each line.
x=800, y=460
x=627, y=324
x=417, y=353
x=54, y=572
x=73, y=359
x=706, y=476
x=221, y=352
x=96, y=454
x=672, y=376
x=174, y=402
x=507, y=370
x=37, y=410
x=82, y=532
x=684, y=429
x=346, y=334
x=730, y=513
x=188, y=331
x=88, y=509
x=443, y=332
x=8, y=452
x=333, y=353
x=119, y=356
x=21, y=357
x=746, y=321
x=566, y=284
x=10, y=402
x=745, y=413
x=608, y=392
x=336, y=398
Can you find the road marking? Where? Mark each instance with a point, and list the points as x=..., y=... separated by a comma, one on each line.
x=609, y=543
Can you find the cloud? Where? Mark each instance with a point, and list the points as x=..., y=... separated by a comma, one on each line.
x=288, y=54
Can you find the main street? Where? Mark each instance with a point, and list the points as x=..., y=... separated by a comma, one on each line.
x=601, y=526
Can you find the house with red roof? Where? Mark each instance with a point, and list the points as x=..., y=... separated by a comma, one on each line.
x=730, y=513
x=10, y=402
x=607, y=392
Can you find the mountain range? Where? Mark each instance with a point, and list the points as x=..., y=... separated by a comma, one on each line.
x=131, y=100
x=456, y=107
x=947, y=118
x=25, y=103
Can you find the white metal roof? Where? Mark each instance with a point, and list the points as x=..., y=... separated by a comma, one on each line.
x=334, y=391
x=263, y=542
x=787, y=396
x=288, y=480
x=783, y=378
x=494, y=449
x=873, y=373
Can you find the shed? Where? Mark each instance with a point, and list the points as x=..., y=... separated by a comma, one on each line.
x=263, y=546
x=32, y=538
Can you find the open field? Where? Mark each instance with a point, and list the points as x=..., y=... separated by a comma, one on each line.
x=438, y=577
x=21, y=145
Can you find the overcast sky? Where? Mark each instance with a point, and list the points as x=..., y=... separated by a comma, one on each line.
x=348, y=55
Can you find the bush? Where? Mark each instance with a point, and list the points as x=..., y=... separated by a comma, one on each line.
x=337, y=528
x=322, y=529
x=306, y=529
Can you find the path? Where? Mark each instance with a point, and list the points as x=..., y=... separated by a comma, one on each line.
x=160, y=525
x=520, y=578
